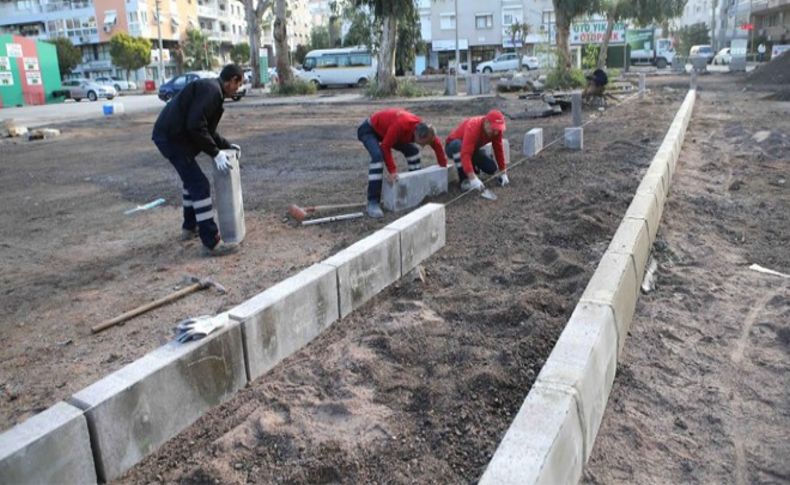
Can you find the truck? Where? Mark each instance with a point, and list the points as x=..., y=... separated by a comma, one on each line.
x=646, y=48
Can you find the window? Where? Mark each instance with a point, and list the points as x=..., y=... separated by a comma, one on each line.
x=511, y=16
x=356, y=60
x=180, y=80
x=327, y=61
x=447, y=21
x=484, y=21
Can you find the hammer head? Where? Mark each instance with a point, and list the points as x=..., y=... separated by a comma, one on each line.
x=297, y=212
x=208, y=283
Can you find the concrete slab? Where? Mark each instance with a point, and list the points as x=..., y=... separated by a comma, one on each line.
x=574, y=138
x=544, y=444
x=136, y=409
x=228, y=201
x=366, y=267
x=652, y=183
x=285, y=317
x=422, y=233
x=413, y=187
x=632, y=238
x=533, y=142
x=645, y=207
x=50, y=447
x=584, y=360
x=614, y=284
x=488, y=149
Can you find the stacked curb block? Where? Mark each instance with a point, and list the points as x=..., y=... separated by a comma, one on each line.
x=111, y=425
x=552, y=435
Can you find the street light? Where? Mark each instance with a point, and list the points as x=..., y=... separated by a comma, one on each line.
x=159, y=34
x=457, y=49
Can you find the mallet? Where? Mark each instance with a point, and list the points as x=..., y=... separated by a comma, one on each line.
x=300, y=213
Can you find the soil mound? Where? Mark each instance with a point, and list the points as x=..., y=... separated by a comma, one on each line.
x=777, y=71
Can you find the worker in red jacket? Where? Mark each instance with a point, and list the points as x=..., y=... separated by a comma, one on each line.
x=397, y=129
x=464, y=147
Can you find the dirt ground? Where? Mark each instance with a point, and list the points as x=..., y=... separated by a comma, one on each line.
x=702, y=393
x=418, y=385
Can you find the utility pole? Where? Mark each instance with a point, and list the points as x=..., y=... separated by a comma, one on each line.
x=457, y=49
x=159, y=35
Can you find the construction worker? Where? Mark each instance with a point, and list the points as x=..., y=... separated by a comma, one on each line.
x=187, y=126
x=464, y=146
x=400, y=130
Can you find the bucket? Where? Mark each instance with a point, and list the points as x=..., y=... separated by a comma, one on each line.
x=108, y=109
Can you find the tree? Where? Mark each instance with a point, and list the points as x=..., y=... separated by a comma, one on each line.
x=409, y=40
x=690, y=35
x=130, y=53
x=319, y=37
x=284, y=74
x=388, y=15
x=564, y=13
x=360, y=32
x=518, y=35
x=198, y=50
x=254, y=11
x=614, y=11
x=69, y=56
x=240, y=53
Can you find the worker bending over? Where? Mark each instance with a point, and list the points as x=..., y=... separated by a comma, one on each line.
x=400, y=130
x=187, y=126
x=464, y=146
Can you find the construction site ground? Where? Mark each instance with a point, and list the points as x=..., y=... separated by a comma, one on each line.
x=418, y=385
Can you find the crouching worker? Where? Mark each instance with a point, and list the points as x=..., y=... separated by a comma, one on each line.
x=187, y=126
x=400, y=130
x=596, y=84
x=464, y=146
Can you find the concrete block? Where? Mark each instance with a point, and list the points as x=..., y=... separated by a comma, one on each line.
x=533, y=142
x=366, y=267
x=632, y=238
x=645, y=207
x=485, y=84
x=450, y=86
x=136, y=409
x=287, y=316
x=228, y=201
x=413, y=187
x=654, y=184
x=614, y=283
x=544, y=444
x=473, y=85
x=641, y=85
x=50, y=447
x=574, y=138
x=576, y=109
x=584, y=361
x=488, y=149
x=422, y=233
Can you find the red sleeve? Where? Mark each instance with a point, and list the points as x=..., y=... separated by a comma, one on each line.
x=390, y=140
x=439, y=151
x=469, y=146
x=499, y=152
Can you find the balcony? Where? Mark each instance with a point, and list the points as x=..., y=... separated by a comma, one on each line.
x=207, y=11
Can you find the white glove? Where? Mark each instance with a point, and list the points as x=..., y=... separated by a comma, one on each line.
x=198, y=327
x=222, y=162
x=237, y=148
x=503, y=180
x=476, y=184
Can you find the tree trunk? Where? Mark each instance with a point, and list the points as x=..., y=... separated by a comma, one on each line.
x=254, y=28
x=385, y=75
x=605, y=44
x=563, y=25
x=284, y=74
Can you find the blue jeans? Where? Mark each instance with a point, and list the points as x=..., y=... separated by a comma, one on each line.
x=198, y=211
x=480, y=161
x=367, y=135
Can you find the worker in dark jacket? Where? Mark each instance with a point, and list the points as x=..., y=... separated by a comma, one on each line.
x=187, y=126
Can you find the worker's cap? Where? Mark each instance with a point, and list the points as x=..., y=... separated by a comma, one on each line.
x=497, y=120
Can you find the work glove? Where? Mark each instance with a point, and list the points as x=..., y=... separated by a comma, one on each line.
x=222, y=162
x=198, y=327
x=238, y=150
x=503, y=180
x=392, y=177
x=476, y=184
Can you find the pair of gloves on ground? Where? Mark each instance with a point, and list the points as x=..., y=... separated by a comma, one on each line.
x=477, y=184
x=221, y=160
x=198, y=327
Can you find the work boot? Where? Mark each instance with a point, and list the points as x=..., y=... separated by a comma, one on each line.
x=189, y=234
x=221, y=249
x=374, y=210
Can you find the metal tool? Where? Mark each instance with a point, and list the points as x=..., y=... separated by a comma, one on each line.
x=145, y=207
x=341, y=217
x=199, y=284
x=300, y=213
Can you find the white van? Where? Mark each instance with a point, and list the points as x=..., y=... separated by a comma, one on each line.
x=353, y=66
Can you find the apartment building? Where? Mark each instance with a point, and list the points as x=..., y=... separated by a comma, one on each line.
x=91, y=23
x=300, y=22
x=483, y=28
x=771, y=21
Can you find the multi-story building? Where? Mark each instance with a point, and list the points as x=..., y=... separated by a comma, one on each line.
x=91, y=23
x=300, y=22
x=771, y=21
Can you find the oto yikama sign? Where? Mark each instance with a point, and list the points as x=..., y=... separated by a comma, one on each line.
x=593, y=32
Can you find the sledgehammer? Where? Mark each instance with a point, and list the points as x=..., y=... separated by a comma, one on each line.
x=300, y=213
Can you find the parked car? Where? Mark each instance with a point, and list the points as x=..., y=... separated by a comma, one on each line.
x=723, y=57
x=507, y=62
x=705, y=51
x=77, y=89
x=171, y=88
x=116, y=82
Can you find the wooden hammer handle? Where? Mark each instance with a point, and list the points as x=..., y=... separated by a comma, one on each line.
x=148, y=306
x=318, y=208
